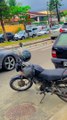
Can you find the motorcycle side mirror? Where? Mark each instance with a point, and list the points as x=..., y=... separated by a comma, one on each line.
x=21, y=44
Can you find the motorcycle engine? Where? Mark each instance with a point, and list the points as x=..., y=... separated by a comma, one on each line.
x=38, y=86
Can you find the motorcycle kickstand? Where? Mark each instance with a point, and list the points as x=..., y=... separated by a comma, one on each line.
x=41, y=101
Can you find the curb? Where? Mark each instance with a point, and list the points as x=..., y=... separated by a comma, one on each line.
x=26, y=44
x=38, y=41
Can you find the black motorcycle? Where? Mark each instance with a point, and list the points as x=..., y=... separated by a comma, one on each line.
x=53, y=81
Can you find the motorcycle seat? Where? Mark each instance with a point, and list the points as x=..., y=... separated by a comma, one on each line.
x=53, y=74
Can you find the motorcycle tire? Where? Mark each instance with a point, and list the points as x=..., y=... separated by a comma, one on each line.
x=63, y=90
x=21, y=84
x=62, y=98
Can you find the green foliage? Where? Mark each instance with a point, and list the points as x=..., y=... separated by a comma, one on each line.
x=45, y=18
x=40, y=23
x=22, y=13
x=19, y=10
x=52, y=4
x=12, y=2
x=61, y=23
x=4, y=10
x=19, y=29
x=61, y=14
x=65, y=12
x=10, y=10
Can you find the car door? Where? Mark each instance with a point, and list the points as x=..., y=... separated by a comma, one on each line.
x=30, y=33
x=26, y=35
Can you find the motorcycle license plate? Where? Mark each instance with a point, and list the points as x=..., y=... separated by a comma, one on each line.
x=65, y=64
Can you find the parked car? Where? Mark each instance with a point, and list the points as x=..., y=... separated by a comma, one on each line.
x=8, y=58
x=59, y=51
x=42, y=32
x=35, y=29
x=20, y=35
x=1, y=38
x=63, y=28
x=32, y=31
x=10, y=36
x=55, y=31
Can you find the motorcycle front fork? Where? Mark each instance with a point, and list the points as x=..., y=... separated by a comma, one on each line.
x=21, y=73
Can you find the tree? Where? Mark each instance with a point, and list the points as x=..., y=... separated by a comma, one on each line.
x=7, y=12
x=12, y=2
x=55, y=5
x=65, y=13
x=4, y=14
x=22, y=13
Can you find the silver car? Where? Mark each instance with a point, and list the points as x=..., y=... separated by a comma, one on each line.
x=20, y=35
x=55, y=31
x=8, y=58
x=42, y=32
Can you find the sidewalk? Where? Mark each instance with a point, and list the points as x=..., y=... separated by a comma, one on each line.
x=61, y=115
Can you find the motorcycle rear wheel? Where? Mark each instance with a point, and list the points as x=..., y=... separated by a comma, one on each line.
x=20, y=84
x=62, y=94
x=62, y=98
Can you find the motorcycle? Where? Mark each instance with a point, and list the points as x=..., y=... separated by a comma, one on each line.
x=52, y=81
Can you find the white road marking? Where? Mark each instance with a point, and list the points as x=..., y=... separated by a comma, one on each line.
x=41, y=47
x=47, y=48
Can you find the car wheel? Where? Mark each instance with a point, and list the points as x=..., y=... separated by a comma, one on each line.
x=33, y=36
x=9, y=63
x=23, y=38
x=53, y=38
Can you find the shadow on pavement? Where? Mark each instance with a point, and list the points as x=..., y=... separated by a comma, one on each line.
x=2, y=71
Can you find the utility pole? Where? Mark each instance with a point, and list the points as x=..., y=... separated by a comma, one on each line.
x=47, y=14
x=58, y=17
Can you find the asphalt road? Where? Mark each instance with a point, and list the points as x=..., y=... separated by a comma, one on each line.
x=26, y=105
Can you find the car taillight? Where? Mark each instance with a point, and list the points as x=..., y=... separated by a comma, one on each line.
x=61, y=30
x=54, y=55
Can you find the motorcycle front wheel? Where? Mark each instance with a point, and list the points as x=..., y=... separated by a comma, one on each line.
x=20, y=84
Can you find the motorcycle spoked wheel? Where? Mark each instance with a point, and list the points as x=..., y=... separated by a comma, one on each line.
x=20, y=84
x=62, y=94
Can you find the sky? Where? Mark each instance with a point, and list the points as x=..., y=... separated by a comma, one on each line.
x=40, y=5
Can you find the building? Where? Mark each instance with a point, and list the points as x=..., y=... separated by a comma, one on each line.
x=38, y=16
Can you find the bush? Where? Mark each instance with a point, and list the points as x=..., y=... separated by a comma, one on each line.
x=19, y=29
x=61, y=23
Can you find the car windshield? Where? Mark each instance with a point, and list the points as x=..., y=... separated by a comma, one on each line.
x=55, y=27
x=34, y=29
x=21, y=32
x=62, y=40
x=43, y=30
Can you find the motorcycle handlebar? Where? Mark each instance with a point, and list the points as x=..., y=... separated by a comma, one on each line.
x=19, y=66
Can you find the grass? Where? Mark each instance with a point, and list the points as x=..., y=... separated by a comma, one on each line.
x=11, y=43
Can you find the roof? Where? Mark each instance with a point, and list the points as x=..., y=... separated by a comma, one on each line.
x=35, y=14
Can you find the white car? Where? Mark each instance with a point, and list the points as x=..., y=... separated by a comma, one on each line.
x=21, y=35
x=55, y=31
x=42, y=32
